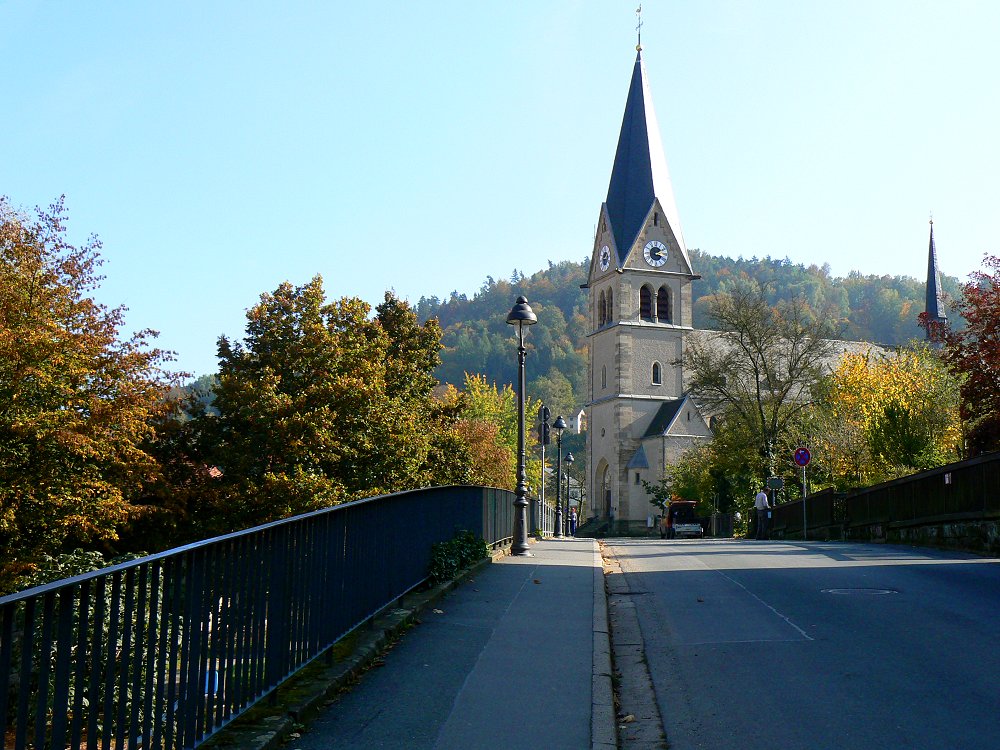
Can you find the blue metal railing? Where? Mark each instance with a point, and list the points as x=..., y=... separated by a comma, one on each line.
x=163, y=651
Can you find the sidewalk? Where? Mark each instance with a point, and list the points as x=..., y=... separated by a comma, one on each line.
x=516, y=656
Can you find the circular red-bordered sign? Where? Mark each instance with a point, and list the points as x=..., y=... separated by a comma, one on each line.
x=802, y=456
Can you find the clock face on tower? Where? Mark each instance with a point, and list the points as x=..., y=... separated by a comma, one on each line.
x=605, y=258
x=655, y=253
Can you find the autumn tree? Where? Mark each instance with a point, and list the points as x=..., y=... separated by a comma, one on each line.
x=77, y=399
x=324, y=402
x=885, y=414
x=760, y=369
x=487, y=424
x=974, y=355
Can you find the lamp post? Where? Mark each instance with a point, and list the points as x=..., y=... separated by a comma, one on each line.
x=520, y=315
x=559, y=425
x=543, y=438
x=569, y=462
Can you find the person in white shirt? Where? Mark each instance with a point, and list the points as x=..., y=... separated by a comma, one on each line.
x=762, y=506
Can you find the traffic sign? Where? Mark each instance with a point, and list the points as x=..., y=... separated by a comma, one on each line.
x=802, y=456
x=775, y=483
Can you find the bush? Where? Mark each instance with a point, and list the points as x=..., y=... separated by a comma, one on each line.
x=449, y=558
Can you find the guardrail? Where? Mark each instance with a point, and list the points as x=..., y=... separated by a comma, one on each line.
x=966, y=491
x=163, y=651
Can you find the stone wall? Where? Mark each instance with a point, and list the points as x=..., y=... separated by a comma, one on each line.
x=981, y=536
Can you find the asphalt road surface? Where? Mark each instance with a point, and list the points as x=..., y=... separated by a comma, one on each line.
x=783, y=645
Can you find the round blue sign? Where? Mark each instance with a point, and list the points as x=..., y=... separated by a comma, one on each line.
x=802, y=456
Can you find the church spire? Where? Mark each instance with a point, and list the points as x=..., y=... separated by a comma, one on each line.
x=640, y=173
x=934, y=306
x=638, y=28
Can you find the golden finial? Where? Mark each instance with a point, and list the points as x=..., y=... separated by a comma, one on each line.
x=638, y=29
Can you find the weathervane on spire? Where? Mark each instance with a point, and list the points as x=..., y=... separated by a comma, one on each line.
x=638, y=29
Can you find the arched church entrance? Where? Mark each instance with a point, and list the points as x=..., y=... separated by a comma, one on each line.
x=602, y=506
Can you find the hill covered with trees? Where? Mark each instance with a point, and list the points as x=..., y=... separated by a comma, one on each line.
x=880, y=309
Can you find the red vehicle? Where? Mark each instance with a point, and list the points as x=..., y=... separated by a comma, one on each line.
x=680, y=521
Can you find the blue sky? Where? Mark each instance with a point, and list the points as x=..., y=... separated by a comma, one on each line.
x=220, y=148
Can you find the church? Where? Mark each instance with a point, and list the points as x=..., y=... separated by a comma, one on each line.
x=640, y=420
x=640, y=304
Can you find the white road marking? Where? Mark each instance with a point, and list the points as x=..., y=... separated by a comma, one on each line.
x=779, y=614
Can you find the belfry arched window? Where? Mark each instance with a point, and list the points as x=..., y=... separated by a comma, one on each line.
x=604, y=376
x=657, y=374
x=646, y=303
x=610, y=315
x=663, y=305
x=601, y=313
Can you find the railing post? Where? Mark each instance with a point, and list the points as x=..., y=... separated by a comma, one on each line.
x=276, y=607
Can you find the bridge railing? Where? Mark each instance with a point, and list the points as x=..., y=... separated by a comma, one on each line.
x=962, y=491
x=163, y=651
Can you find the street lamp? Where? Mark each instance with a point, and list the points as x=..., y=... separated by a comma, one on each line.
x=559, y=425
x=569, y=462
x=543, y=438
x=520, y=315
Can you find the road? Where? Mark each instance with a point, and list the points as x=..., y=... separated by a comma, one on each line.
x=783, y=645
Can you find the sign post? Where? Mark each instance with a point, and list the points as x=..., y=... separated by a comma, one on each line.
x=774, y=484
x=802, y=458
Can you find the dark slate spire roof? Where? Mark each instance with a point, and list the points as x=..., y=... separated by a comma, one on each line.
x=638, y=460
x=933, y=304
x=664, y=416
x=640, y=173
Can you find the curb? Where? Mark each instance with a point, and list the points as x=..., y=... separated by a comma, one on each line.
x=267, y=726
x=603, y=733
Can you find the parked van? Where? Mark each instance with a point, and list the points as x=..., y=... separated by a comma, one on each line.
x=680, y=521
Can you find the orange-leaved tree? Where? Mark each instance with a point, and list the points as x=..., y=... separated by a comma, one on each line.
x=77, y=400
x=487, y=425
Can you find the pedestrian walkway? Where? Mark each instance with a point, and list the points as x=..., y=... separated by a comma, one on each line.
x=515, y=657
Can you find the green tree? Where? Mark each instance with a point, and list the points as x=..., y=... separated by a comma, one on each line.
x=761, y=368
x=77, y=400
x=322, y=403
x=723, y=473
x=555, y=391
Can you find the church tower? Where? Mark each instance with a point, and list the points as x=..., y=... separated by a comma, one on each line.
x=934, y=304
x=639, y=418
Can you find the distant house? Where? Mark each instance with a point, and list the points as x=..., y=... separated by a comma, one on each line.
x=577, y=423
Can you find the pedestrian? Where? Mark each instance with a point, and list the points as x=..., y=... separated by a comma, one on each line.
x=762, y=506
x=572, y=521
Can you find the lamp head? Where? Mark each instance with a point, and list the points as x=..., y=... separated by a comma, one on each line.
x=569, y=458
x=521, y=314
x=559, y=425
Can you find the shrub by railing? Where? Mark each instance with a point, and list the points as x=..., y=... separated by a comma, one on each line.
x=163, y=651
